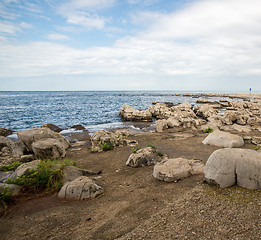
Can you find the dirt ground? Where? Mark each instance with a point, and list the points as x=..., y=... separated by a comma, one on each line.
x=137, y=206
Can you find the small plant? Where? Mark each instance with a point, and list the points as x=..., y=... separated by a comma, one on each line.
x=208, y=130
x=160, y=154
x=107, y=147
x=149, y=145
x=256, y=148
x=5, y=195
x=10, y=167
x=93, y=150
x=135, y=149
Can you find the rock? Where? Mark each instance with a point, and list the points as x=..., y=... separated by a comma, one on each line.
x=175, y=169
x=143, y=157
x=223, y=139
x=10, y=147
x=80, y=189
x=173, y=122
x=70, y=173
x=13, y=188
x=28, y=137
x=102, y=137
x=49, y=148
x=78, y=127
x=5, y=176
x=27, y=158
x=131, y=114
x=236, y=127
x=161, y=125
x=26, y=168
x=206, y=101
x=228, y=167
x=5, y=132
x=229, y=118
x=52, y=127
x=256, y=140
x=205, y=111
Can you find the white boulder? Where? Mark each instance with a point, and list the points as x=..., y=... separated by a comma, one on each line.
x=223, y=139
x=228, y=167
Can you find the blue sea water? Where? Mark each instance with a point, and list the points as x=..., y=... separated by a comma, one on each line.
x=93, y=109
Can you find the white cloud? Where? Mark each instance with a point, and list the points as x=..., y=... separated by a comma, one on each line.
x=56, y=36
x=217, y=40
x=88, y=4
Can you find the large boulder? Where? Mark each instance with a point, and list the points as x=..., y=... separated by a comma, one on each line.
x=223, y=139
x=52, y=127
x=228, y=167
x=143, y=157
x=175, y=169
x=205, y=111
x=80, y=189
x=28, y=137
x=131, y=114
x=161, y=125
x=49, y=148
x=13, y=189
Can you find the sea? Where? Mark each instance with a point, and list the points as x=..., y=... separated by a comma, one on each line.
x=94, y=110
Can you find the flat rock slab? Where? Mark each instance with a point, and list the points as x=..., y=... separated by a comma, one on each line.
x=228, y=167
x=175, y=169
x=80, y=189
x=224, y=139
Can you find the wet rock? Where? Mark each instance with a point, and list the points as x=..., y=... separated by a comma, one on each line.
x=80, y=189
x=223, y=139
x=5, y=132
x=78, y=127
x=28, y=137
x=131, y=114
x=144, y=157
x=52, y=127
x=228, y=167
x=175, y=169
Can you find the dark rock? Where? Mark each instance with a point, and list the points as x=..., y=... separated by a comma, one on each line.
x=78, y=127
x=5, y=132
x=52, y=127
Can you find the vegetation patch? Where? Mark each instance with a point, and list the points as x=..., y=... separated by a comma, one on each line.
x=107, y=147
x=48, y=177
x=10, y=167
x=149, y=145
x=208, y=130
x=135, y=149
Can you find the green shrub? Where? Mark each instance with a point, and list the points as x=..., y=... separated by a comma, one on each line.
x=107, y=147
x=47, y=177
x=160, y=154
x=149, y=145
x=256, y=148
x=208, y=130
x=10, y=167
x=5, y=196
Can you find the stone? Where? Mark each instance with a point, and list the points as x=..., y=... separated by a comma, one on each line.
x=176, y=169
x=49, y=148
x=173, y=122
x=131, y=114
x=12, y=148
x=5, y=132
x=26, y=168
x=78, y=127
x=5, y=176
x=80, y=189
x=28, y=137
x=161, y=125
x=70, y=173
x=224, y=139
x=236, y=127
x=143, y=157
x=13, y=188
x=52, y=127
x=205, y=111
x=227, y=167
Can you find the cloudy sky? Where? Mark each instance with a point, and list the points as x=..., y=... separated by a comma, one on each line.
x=130, y=45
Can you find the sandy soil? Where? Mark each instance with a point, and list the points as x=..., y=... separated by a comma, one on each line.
x=137, y=206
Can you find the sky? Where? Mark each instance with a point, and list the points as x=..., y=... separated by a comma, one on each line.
x=208, y=45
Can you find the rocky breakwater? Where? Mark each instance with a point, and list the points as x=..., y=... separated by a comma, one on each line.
x=222, y=115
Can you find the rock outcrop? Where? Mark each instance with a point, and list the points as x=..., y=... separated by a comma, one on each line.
x=52, y=127
x=223, y=139
x=228, y=167
x=5, y=132
x=131, y=114
x=176, y=169
x=80, y=189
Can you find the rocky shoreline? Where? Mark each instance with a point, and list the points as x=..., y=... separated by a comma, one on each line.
x=177, y=151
